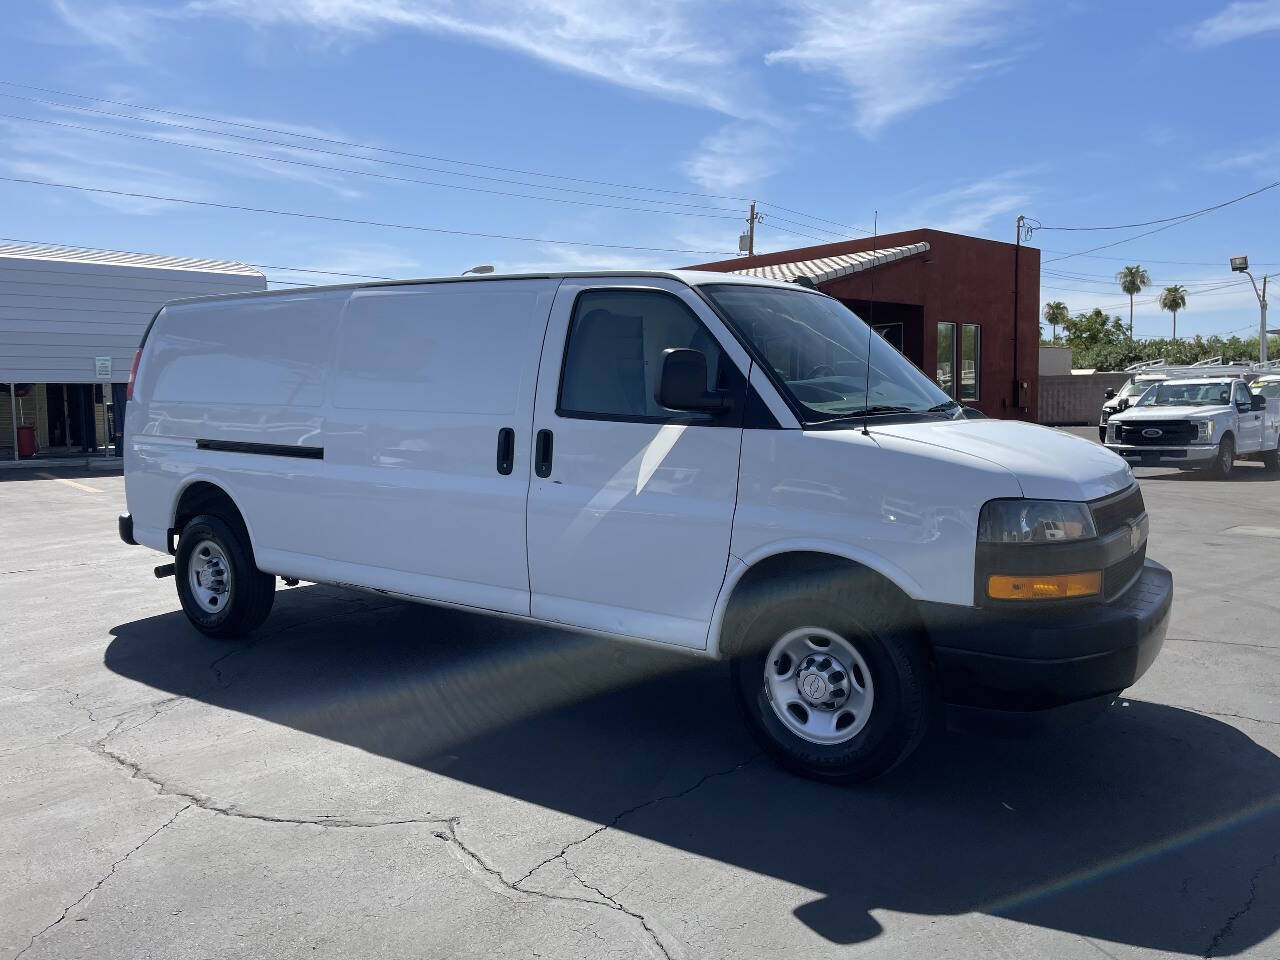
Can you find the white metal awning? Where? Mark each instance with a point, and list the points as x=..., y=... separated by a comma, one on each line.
x=822, y=269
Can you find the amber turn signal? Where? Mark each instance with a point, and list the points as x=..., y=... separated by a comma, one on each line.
x=1049, y=587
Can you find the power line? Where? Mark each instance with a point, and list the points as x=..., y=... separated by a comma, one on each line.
x=1167, y=226
x=349, y=143
x=1179, y=217
x=358, y=221
x=792, y=232
x=406, y=153
x=809, y=216
x=361, y=173
x=348, y=156
x=1111, y=281
x=1176, y=263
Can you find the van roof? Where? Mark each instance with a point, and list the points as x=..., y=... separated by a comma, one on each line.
x=1202, y=381
x=692, y=278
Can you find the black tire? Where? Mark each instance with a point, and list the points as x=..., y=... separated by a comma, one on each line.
x=1224, y=461
x=878, y=623
x=250, y=592
x=1271, y=461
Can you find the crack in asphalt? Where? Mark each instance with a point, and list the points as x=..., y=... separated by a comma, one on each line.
x=630, y=810
x=209, y=804
x=260, y=639
x=105, y=877
x=450, y=835
x=1229, y=924
x=1237, y=716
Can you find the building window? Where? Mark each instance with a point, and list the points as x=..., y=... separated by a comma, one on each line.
x=892, y=332
x=947, y=357
x=970, y=360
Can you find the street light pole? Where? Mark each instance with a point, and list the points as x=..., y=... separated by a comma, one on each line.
x=1262, y=321
x=1241, y=265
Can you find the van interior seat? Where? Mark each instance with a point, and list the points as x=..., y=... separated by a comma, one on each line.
x=605, y=364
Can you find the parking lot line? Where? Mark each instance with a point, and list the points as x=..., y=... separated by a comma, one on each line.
x=70, y=483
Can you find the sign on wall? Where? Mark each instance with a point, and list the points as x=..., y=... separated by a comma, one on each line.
x=102, y=367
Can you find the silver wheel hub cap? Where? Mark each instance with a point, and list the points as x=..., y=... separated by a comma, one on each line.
x=818, y=685
x=209, y=574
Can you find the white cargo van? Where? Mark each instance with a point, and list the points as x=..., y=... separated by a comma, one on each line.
x=697, y=460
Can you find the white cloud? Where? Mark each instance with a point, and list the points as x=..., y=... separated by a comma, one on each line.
x=896, y=56
x=971, y=207
x=126, y=28
x=735, y=156
x=1236, y=21
x=675, y=49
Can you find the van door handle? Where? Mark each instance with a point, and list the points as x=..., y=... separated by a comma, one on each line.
x=542, y=453
x=506, y=450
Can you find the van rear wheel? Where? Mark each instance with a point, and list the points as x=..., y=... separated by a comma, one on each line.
x=834, y=682
x=223, y=593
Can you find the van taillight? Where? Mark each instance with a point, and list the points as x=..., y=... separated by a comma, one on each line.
x=133, y=374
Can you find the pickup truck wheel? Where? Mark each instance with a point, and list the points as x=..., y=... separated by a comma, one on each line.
x=1271, y=461
x=223, y=593
x=1224, y=461
x=834, y=683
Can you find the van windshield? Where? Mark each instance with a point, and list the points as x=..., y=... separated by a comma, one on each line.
x=817, y=349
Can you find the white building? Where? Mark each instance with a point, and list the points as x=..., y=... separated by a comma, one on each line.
x=70, y=321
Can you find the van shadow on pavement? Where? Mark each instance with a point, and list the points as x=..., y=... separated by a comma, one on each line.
x=1146, y=827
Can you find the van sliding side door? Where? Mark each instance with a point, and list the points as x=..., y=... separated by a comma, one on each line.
x=630, y=504
x=428, y=439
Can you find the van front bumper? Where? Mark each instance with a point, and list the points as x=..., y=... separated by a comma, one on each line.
x=1040, y=660
x=1160, y=456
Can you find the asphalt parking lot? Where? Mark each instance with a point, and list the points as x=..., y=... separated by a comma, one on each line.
x=375, y=778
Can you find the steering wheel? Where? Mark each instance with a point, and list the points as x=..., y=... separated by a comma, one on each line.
x=817, y=371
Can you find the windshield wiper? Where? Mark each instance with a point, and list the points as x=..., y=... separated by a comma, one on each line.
x=945, y=405
x=876, y=408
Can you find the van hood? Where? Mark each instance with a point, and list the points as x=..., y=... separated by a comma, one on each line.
x=1048, y=464
x=1200, y=411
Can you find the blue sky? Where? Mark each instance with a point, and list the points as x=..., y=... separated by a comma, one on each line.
x=953, y=114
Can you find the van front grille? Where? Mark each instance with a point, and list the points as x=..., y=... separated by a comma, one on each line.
x=1113, y=512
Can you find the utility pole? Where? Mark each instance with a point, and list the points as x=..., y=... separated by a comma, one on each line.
x=1017, y=264
x=747, y=241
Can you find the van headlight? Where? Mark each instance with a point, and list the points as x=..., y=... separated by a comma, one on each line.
x=1035, y=521
x=1204, y=431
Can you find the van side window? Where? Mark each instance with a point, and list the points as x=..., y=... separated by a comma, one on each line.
x=613, y=357
x=1242, y=395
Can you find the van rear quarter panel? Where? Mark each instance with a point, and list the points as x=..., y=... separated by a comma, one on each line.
x=242, y=369
x=870, y=498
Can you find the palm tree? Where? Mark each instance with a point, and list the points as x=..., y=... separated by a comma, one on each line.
x=1132, y=280
x=1174, y=299
x=1056, y=314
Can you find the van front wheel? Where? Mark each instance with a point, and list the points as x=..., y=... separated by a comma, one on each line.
x=222, y=591
x=830, y=688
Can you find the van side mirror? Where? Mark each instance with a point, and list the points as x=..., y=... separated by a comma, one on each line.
x=1257, y=402
x=683, y=384
x=1110, y=394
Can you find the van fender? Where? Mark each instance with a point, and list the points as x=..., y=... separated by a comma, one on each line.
x=739, y=566
x=221, y=483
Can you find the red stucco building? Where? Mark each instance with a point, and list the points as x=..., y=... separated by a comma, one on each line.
x=944, y=299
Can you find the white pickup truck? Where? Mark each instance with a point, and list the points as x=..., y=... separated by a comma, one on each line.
x=1206, y=422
